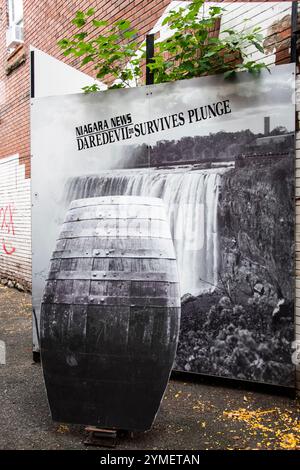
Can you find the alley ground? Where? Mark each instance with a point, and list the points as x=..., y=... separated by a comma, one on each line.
x=192, y=416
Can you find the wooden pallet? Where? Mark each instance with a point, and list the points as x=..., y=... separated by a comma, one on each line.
x=101, y=437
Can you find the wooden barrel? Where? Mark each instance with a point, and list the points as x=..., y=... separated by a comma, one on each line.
x=110, y=313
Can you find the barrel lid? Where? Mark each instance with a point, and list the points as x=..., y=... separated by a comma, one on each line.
x=117, y=200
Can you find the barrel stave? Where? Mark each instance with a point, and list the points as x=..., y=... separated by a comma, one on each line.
x=111, y=247
x=121, y=211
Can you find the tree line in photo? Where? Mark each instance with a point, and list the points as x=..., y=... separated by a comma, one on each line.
x=219, y=147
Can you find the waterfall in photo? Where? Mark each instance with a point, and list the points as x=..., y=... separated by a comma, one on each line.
x=191, y=199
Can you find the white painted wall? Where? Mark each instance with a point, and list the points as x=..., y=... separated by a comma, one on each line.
x=53, y=77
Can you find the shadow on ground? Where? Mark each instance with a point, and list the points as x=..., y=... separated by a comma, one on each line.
x=192, y=416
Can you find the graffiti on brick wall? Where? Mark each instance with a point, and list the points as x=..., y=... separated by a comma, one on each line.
x=7, y=229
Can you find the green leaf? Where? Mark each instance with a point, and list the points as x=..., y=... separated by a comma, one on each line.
x=123, y=24
x=99, y=23
x=117, y=86
x=90, y=12
x=210, y=53
x=215, y=10
x=69, y=51
x=63, y=43
x=80, y=36
x=80, y=14
x=79, y=22
x=165, y=21
x=129, y=34
x=91, y=88
x=229, y=73
x=258, y=46
x=79, y=19
x=87, y=59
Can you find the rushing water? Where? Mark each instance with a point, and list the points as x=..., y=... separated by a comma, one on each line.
x=191, y=199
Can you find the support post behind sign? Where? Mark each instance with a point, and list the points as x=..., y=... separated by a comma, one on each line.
x=35, y=354
x=149, y=58
x=32, y=74
x=295, y=33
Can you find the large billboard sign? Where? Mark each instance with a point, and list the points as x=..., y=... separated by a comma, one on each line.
x=220, y=154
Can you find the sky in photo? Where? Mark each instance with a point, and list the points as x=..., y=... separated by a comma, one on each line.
x=251, y=99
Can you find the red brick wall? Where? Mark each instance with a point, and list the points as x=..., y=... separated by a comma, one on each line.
x=45, y=22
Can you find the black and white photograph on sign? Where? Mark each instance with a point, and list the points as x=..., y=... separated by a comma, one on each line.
x=220, y=155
